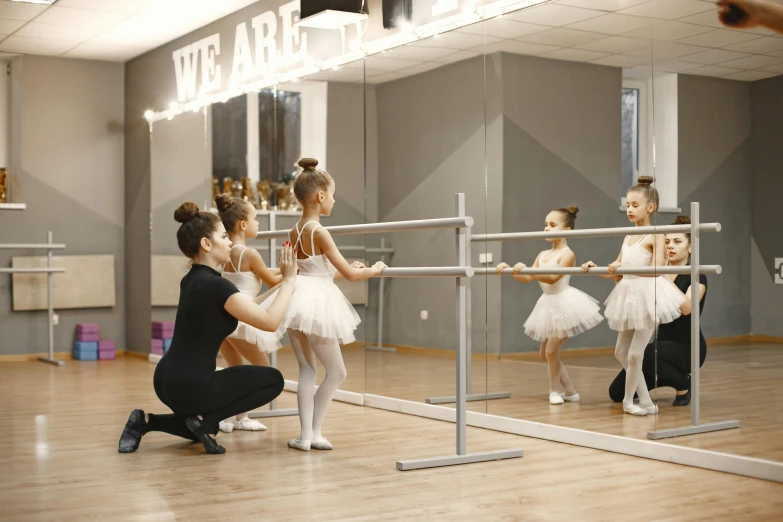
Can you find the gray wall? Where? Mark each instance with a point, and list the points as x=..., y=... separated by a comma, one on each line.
x=67, y=159
x=767, y=186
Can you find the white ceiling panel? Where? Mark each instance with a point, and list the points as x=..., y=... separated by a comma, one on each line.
x=617, y=45
x=613, y=23
x=102, y=51
x=762, y=45
x=10, y=26
x=667, y=50
x=114, y=6
x=562, y=37
x=57, y=32
x=719, y=38
x=713, y=70
x=602, y=5
x=675, y=66
x=754, y=62
x=668, y=9
x=19, y=11
x=668, y=31
x=417, y=53
x=714, y=56
x=459, y=41
x=777, y=69
x=458, y=56
x=749, y=76
x=503, y=28
x=553, y=14
x=622, y=60
x=517, y=47
x=574, y=55
x=386, y=64
x=80, y=17
x=23, y=44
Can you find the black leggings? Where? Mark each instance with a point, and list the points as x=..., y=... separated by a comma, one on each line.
x=229, y=392
x=674, y=368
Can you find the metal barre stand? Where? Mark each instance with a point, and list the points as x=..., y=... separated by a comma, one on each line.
x=461, y=272
x=49, y=246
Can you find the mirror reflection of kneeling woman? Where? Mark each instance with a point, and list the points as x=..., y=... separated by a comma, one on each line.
x=209, y=307
x=673, y=348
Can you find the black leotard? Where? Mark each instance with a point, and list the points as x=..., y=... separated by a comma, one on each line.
x=185, y=379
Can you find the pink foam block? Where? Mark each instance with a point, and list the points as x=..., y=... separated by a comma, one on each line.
x=87, y=328
x=88, y=336
x=106, y=355
x=157, y=347
x=105, y=346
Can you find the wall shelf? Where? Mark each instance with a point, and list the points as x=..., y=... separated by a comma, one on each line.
x=13, y=206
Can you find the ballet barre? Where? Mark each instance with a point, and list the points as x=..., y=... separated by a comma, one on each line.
x=48, y=270
x=389, y=226
x=461, y=273
x=598, y=232
x=603, y=270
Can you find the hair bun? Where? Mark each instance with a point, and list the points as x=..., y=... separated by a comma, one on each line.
x=185, y=212
x=645, y=180
x=573, y=210
x=682, y=220
x=308, y=163
x=223, y=201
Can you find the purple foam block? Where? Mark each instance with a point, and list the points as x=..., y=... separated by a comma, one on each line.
x=106, y=355
x=105, y=346
x=88, y=336
x=87, y=328
x=157, y=347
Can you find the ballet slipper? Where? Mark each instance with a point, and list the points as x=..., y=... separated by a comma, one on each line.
x=302, y=445
x=633, y=409
x=132, y=433
x=651, y=410
x=321, y=443
x=571, y=398
x=226, y=426
x=555, y=398
x=248, y=424
x=195, y=425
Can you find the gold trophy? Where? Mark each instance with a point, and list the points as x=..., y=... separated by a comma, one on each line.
x=215, y=188
x=3, y=186
x=264, y=189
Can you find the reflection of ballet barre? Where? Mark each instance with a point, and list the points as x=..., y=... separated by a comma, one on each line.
x=48, y=246
x=597, y=232
x=344, y=248
x=602, y=270
x=461, y=273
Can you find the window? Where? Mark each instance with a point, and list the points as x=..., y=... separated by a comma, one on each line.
x=630, y=137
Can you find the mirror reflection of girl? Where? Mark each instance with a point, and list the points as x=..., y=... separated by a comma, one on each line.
x=319, y=318
x=563, y=311
x=247, y=270
x=669, y=357
x=639, y=303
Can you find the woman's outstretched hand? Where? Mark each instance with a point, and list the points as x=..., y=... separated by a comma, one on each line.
x=588, y=265
x=288, y=265
x=377, y=268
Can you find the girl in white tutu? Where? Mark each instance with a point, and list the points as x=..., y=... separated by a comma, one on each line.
x=563, y=311
x=247, y=270
x=639, y=303
x=319, y=317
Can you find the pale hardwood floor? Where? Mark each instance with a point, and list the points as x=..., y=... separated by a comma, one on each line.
x=59, y=461
x=738, y=382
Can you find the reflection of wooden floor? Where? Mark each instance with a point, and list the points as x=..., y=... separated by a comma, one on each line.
x=59, y=461
x=738, y=382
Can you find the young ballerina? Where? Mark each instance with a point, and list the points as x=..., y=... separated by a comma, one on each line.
x=319, y=318
x=639, y=303
x=247, y=270
x=562, y=311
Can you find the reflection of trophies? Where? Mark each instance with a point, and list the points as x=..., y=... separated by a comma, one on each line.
x=247, y=189
x=3, y=186
x=228, y=183
x=264, y=190
x=215, y=188
x=236, y=189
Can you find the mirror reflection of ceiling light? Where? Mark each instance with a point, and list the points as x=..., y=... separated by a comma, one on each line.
x=502, y=7
x=330, y=19
x=44, y=2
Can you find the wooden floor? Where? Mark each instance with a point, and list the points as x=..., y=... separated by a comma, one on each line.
x=59, y=461
x=738, y=382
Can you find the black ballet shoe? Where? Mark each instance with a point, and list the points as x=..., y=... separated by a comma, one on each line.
x=131, y=435
x=195, y=425
x=682, y=400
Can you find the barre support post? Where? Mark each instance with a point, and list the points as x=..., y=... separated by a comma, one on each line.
x=50, y=306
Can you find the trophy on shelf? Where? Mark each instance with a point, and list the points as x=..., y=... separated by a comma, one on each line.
x=264, y=191
x=3, y=186
x=228, y=184
x=247, y=189
x=215, y=187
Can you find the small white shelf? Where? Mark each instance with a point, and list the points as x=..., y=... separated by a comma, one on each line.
x=13, y=206
x=293, y=213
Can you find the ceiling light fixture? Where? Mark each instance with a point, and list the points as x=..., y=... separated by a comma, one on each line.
x=44, y=2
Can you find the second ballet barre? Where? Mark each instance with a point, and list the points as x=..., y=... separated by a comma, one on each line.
x=603, y=270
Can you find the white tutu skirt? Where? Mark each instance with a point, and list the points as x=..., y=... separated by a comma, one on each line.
x=642, y=303
x=265, y=341
x=319, y=308
x=565, y=314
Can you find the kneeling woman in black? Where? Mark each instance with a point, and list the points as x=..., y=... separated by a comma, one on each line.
x=674, y=339
x=209, y=306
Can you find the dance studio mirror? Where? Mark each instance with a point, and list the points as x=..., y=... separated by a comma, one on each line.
x=426, y=142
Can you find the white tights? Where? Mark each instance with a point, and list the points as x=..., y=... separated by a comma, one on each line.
x=313, y=404
x=630, y=352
